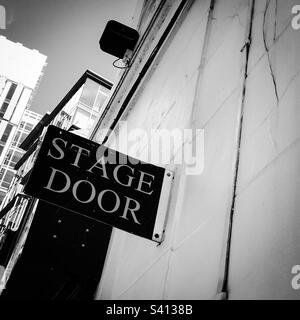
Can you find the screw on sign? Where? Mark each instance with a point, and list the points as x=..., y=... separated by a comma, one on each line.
x=2, y=17
x=295, y=22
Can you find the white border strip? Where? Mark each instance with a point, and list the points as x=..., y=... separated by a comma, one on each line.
x=162, y=209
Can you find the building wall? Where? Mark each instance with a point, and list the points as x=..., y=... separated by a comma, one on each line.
x=265, y=244
x=80, y=106
x=199, y=81
x=21, y=70
x=12, y=153
x=21, y=64
x=185, y=91
x=83, y=108
x=11, y=113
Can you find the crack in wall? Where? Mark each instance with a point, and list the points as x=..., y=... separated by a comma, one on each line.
x=236, y=15
x=268, y=50
x=275, y=22
x=261, y=123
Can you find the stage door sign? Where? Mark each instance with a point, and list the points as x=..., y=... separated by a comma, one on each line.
x=82, y=176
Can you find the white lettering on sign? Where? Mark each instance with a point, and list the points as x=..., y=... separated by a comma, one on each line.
x=78, y=155
x=71, y=173
x=100, y=200
x=56, y=146
x=130, y=178
x=144, y=179
x=93, y=191
x=296, y=279
x=2, y=17
x=296, y=19
x=102, y=167
x=131, y=206
x=85, y=192
x=50, y=182
x=132, y=210
x=142, y=182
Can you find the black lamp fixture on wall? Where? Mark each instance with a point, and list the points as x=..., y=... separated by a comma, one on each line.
x=118, y=40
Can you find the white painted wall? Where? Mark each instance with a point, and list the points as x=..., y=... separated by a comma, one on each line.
x=203, y=88
x=266, y=238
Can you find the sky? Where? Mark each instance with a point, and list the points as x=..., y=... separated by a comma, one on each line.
x=68, y=33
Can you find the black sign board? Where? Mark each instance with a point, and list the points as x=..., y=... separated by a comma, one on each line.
x=82, y=176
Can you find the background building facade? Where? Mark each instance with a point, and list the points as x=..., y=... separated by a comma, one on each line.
x=21, y=70
x=77, y=112
x=13, y=153
x=30, y=221
x=83, y=109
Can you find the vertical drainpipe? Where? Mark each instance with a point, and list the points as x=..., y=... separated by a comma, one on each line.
x=223, y=281
x=203, y=58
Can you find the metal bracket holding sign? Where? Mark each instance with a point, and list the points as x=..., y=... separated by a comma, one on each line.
x=158, y=232
x=131, y=195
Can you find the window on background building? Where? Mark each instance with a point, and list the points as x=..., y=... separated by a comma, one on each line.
x=16, y=138
x=3, y=108
x=59, y=124
x=83, y=121
x=7, y=99
x=89, y=93
x=91, y=121
x=28, y=126
x=63, y=120
x=101, y=98
x=6, y=133
x=65, y=115
x=11, y=91
x=15, y=158
x=19, y=138
x=8, y=176
x=12, y=157
x=2, y=173
x=7, y=157
x=2, y=195
x=2, y=83
x=81, y=118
